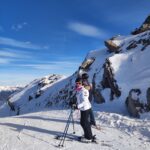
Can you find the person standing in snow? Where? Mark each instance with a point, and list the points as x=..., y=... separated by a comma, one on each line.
x=88, y=86
x=84, y=105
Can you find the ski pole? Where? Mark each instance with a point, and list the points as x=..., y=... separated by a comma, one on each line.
x=66, y=131
x=61, y=143
x=73, y=124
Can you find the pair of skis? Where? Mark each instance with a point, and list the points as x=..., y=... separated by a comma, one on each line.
x=79, y=139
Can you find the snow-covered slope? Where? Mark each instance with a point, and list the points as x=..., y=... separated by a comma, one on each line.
x=33, y=97
x=131, y=66
x=37, y=131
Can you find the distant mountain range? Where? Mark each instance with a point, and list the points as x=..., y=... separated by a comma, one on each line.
x=6, y=91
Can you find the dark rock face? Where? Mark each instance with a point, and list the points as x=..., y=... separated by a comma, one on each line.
x=98, y=97
x=132, y=45
x=144, y=42
x=109, y=80
x=144, y=27
x=134, y=104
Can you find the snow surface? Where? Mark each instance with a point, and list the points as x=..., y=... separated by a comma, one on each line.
x=37, y=131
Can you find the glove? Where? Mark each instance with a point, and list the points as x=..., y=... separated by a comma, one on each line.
x=74, y=106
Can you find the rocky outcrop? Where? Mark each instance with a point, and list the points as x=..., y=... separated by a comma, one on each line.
x=11, y=105
x=109, y=80
x=133, y=44
x=135, y=105
x=86, y=64
x=144, y=27
x=112, y=47
x=42, y=85
x=143, y=41
x=98, y=97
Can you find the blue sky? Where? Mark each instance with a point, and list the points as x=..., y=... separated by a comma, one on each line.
x=42, y=37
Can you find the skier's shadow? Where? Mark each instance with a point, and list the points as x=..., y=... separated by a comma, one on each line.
x=19, y=128
x=46, y=119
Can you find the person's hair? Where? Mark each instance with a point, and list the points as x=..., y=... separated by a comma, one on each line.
x=85, y=76
x=78, y=80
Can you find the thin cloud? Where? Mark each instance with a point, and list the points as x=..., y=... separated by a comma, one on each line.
x=87, y=30
x=60, y=65
x=12, y=53
x=19, y=26
x=5, y=61
x=20, y=44
x=7, y=54
x=11, y=57
x=22, y=78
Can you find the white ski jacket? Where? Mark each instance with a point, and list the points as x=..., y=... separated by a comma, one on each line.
x=83, y=99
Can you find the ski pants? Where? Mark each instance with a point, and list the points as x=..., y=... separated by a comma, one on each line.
x=85, y=123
